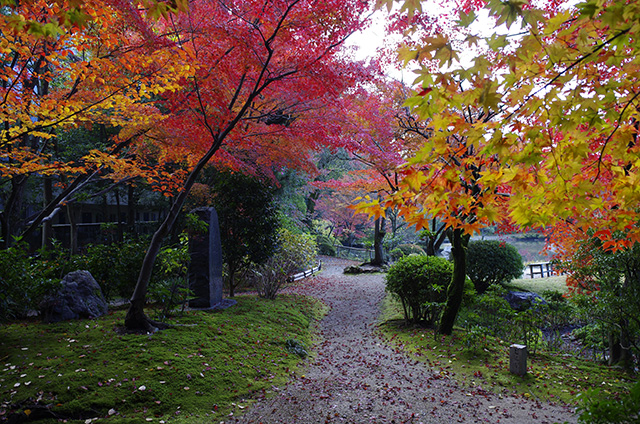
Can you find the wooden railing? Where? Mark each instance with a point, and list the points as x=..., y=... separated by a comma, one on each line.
x=354, y=253
x=307, y=273
x=540, y=270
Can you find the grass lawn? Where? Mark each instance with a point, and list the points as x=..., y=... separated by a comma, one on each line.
x=207, y=365
x=540, y=285
x=484, y=364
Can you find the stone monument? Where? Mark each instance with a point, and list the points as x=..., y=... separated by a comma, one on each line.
x=205, y=269
x=518, y=359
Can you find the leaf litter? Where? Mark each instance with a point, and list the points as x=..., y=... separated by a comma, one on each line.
x=357, y=376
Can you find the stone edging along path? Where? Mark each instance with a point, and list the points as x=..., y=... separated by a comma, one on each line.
x=357, y=378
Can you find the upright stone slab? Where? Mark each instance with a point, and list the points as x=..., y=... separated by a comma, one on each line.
x=205, y=270
x=518, y=359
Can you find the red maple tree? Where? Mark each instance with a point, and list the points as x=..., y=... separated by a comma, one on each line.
x=264, y=75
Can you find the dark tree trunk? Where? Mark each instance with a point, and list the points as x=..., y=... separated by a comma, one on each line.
x=455, y=291
x=131, y=209
x=73, y=229
x=120, y=229
x=615, y=349
x=47, y=227
x=11, y=215
x=619, y=352
x=435, y=238
x=136, y=320
x=232, y=279
x=378, y=248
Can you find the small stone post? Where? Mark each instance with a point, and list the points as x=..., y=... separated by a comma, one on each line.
x=205, y=269
x=518, y=359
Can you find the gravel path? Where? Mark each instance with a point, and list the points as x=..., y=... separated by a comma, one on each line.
x=356, y=378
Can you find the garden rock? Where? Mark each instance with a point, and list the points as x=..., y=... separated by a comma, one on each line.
x=79, y=296
x=363, y=269
x=521, y=301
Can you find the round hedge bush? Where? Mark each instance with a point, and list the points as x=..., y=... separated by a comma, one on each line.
x=492, y=262
x=420, y=282
x=406, y=250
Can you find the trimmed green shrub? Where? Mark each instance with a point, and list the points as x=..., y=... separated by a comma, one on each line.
x=492, y=262
x=420, y=282
x=405, y=250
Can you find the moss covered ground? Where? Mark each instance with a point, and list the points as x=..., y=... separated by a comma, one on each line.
x=208, y=365
x=551, y=376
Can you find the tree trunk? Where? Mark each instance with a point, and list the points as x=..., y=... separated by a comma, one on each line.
x=73, y=230
x=131, y=209
x=378, y=248
x=619, y=353
x=435, y=238
x=136, y=320
x=11, y=215
x=47, y=227
x=232, y=280
x=455, y=291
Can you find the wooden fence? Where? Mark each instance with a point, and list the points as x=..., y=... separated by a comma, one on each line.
x=540, y=270
x=354, y=253
x=307, y=273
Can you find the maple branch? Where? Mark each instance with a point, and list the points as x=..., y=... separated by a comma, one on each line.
x=103, y=191
x=606, y=142
x=567, y=69
x=78, y=112
x=52, y=209
x=17, y=77
x=237, y=93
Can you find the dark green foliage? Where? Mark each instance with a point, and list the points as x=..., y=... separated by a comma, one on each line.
x=23, y=282
x=325, y=245
x=492, y=262
x=493, y=313
x=599, y=407
x=26, y=278
x=170, y=285
x=420, y=282
x=293, y=253
x=248, y=219
x=614, y=278
x=396, y=254
x=476, y=339
x=593, y=336
x=114, y=266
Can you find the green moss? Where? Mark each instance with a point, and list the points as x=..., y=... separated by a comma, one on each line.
x=551, y=377
x=208, y=361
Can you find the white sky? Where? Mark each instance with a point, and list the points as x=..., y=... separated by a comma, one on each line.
x=368, y=41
